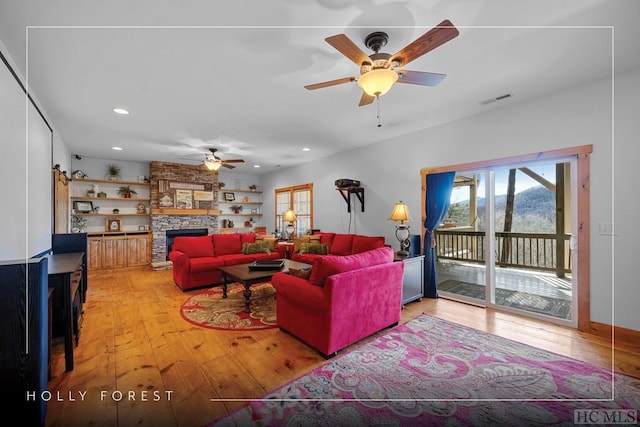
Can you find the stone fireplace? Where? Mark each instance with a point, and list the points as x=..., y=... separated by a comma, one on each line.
x=176, y=220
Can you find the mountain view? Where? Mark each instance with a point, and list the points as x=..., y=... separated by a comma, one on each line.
x=534, y=211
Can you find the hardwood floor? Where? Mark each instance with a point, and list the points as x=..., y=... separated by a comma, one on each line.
x=140, y=363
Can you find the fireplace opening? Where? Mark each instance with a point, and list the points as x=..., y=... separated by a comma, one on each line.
x=172, y=234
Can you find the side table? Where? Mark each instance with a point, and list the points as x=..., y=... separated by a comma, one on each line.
x=285, y=248
x=413, y=279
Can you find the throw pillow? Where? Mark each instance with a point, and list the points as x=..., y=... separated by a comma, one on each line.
x=272, y=240
x=301, y=273
x=298, y=241
x=314, y=248
x=254, y=248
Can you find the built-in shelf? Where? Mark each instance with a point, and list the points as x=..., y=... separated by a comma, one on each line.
x=118, y=233
x=228, y=190
x=109, y=181
x=126, y=199
x=175, y=211
x=110, y=214
x=239, y=203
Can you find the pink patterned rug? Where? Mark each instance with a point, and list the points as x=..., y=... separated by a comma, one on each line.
x=430, y=372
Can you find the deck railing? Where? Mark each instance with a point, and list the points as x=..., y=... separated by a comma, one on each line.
x=532, y=251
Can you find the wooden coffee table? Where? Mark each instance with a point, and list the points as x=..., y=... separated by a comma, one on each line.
x=241, y=273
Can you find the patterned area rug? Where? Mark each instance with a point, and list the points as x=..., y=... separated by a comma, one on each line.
x=555, y=307
x=430, y=372
x=208, y=309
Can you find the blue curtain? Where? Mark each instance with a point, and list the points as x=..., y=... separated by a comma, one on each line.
x=438, y=193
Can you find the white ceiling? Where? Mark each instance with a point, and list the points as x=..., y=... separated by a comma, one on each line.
x=195, y=75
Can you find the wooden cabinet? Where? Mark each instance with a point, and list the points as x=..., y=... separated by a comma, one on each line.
x=120, y=250
x=138, y=250
x=94, y=253
x=413, y=279
x=113, y=252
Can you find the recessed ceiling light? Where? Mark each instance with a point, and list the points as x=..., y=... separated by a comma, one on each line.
x=256, y=166
x=306, y=149
x=117, y=148
x=120, y=111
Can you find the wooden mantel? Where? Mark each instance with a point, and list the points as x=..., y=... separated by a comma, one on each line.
x=175, y=211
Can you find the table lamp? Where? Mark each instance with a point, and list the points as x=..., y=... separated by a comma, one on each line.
x=290, y=218
x=400, y=213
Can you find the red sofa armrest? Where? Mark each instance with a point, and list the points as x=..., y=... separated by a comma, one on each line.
x=181, y=268
x=299, y=290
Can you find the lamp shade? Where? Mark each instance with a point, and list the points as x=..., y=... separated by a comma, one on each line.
x=289, y=216
x=400, y=213
x=377, y=82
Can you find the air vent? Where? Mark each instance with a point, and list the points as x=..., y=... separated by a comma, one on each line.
x=497, y=98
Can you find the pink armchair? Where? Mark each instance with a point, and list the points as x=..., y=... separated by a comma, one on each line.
x=347, y=298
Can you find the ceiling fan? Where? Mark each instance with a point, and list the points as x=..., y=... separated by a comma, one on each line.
x=377, y=71
x=213, y=162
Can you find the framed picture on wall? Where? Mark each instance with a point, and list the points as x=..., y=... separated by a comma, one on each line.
x=229, y=197
x=113, y=224
x=82, y=207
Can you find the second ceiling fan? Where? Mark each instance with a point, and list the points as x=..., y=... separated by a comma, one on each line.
x=377, y=71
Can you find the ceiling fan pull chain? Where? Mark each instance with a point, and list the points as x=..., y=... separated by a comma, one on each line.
x=378, y=105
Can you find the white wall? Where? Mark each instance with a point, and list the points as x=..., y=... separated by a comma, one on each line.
x=390, y=171
x=25, y=171
x=626, y=202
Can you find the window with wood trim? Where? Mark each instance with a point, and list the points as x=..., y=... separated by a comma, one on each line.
x=300, y=199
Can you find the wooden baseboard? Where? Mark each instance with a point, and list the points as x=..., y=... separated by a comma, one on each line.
x=629, y=338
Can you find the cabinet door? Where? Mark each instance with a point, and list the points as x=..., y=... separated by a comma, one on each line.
x=138, y=250
x=113, y=252
x=94, y=253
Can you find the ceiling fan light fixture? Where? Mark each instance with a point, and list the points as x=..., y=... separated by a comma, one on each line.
x=378, y=82
x=213, y=164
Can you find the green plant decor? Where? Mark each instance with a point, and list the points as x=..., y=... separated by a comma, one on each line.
x=221, y=184
x=126, y=191
x=236, y=208
x=113, y=171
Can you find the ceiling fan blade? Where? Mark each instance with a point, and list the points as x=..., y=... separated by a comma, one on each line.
x=345, y=46
x=420, y=78
x=430, y=40
x=228, y=166
x=366, y=99
x=233, y=161
x=330, y=83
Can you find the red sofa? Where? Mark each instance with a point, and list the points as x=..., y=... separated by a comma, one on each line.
x=345, y=299
x=336, y=244
x=197, y=259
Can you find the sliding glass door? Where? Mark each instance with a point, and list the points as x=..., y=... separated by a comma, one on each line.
x=506, y=239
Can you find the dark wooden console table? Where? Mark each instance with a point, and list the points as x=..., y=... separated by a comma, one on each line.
x=65, y=276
